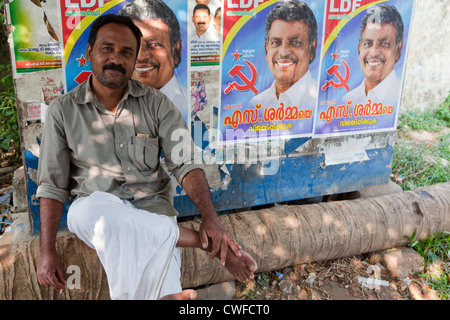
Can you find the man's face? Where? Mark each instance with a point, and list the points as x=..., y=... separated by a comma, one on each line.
x=217, y=21
x=288, y=52
x=156, y=59
x=113, y=55
x=378, y=51
x=201, y=20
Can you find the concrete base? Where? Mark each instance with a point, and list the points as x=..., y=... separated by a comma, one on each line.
x=379, y=190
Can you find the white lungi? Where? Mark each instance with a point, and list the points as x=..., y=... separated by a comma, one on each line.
x=137, y=248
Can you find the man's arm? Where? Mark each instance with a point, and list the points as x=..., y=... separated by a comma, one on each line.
x=196, y=187
x=49, y=269
x=181, y=159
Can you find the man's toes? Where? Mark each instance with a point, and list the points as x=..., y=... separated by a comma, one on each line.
x=187, y=294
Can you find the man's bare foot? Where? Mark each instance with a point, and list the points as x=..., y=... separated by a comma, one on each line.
x=187, y=294
x=242, y=268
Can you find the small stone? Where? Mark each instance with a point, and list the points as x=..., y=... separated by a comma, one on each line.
x=402, y=262
x=380, y=190
x=219, y=291
x=357, y=263
x=375, y=258
x=303, y=294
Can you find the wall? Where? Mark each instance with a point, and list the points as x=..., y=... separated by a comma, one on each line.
x=427, y=77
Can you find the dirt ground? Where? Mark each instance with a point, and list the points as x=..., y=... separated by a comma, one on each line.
x=340, y=279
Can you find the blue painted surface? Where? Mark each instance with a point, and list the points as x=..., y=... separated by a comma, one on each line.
x=31, y=163
x=297, y=178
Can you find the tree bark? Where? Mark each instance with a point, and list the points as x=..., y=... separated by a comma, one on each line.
x=276, y=237
x=288, y=235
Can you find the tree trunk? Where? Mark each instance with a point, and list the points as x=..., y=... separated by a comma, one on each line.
x=287, y=235
x=277, y=237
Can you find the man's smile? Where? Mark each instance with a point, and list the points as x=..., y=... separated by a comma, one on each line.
x=145, y=67
x=374, y=62
x=284, y=63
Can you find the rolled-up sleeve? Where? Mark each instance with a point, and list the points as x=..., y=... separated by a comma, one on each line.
x=181, y=155
x=54, y=158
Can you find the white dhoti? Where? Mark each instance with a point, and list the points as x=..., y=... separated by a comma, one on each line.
x=137, y=248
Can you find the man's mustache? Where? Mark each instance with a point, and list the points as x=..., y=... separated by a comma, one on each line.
x=148, y=62
x=113, y=66
x=380, y=58
x=292, y=59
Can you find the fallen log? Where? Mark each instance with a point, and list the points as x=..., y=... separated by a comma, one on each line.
x=284, y=236
x=276, y=237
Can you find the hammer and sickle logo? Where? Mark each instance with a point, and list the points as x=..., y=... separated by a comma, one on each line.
x=249, y=84
x=334, y=69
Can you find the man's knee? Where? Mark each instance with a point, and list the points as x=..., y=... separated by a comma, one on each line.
x=84, y=210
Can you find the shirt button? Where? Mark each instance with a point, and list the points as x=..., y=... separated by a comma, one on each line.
x=129, y=169
x=121, y=145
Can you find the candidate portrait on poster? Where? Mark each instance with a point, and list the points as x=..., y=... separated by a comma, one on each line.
x=362, y=67
x=270, y=69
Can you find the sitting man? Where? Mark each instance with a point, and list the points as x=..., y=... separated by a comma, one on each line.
x=101, y=144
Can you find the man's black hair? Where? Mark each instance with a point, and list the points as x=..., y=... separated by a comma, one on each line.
x=293, y=10
x=112, y=18
x=142, y=10
x=383, y=13
x=201, y=6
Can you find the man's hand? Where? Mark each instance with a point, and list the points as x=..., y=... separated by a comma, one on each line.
x=49, y=271
x=212, y=232
x=211, y=228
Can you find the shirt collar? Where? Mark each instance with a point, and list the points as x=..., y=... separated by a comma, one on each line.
x=170, y=88
x=382, y=89
x=86, y=95
x=297, y=91
x=385, y=86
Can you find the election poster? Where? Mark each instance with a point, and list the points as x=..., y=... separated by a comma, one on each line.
x=35, y=36
x=270, y=69
x=204, y=32
x=162, y=62
x=363, y=62
x=257, y=69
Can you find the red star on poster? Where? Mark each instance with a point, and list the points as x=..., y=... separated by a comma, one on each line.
x=82, y=60
x=335, y=56
x=236, y=55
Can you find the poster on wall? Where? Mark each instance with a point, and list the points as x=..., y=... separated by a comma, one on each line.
x=270, y=69
x=162, y=60
x=204, y=34
x=265, y=68
x=36, y=36
x=205, y=42
x=343, y=75
x=363, y=63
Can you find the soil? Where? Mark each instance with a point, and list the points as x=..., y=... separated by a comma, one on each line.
x=340, y=279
